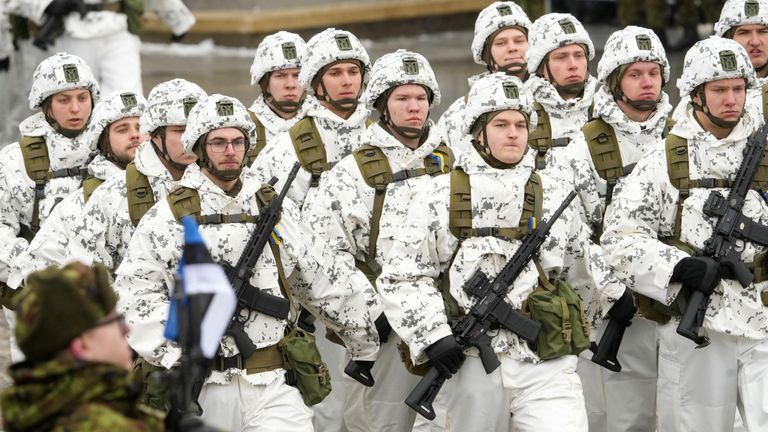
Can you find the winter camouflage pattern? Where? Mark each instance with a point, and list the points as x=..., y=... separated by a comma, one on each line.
x=146, y=275
x=76, y=396
x=61, y=72
x=215, y=112
x=498, y=92
x=104, y=228
x=552, y=31
x=629, y=45
x=421, y=253
x=715, y=59
x=494, y=17
x=340, y=137
x=108, y=110
x=282, y=50
x=399, y=68
x=329, y=46
x=273, y=124
x=741, y=12
x=645, y=209
x=169, y=103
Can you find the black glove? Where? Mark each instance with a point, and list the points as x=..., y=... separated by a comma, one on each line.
x=446, y=355
x=60, y=8
x=699, y=273
x=177, y=38
x=5, y=63
x=383, y=328
x=624, y=308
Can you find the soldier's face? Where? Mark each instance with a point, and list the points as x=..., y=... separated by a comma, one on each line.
x=107, y=343
x=284, y=85
x=754, y=39
x=408, y=106
x=124, y=138
x=342, y=81
x=568, y=65
x=174, y=146
x=642, y=81
x=507, y=135
x=509, y=46
x=71, y=108
x=231, y=158
x=725, y=99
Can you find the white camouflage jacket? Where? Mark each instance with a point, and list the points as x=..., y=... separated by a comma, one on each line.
x=145, y=275
x=274, y=125
x=645, y=209
x=422, y=251
x=50, y=244
x=17, y=190
x=104, y=230
x=634, y=138
x=339, y=137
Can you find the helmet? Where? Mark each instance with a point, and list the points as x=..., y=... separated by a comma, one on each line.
x=330, y=46
x=741, y=12
x=493, y=18
x=399, y=68
x=552, y=31
x=498, y=92
x=282, y=50
x=61, y=72
x=169, y=103
x=713, y=59
x=116, y=106
x=630, y=45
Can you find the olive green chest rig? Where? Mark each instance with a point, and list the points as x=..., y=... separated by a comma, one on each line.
x=261, y=140
x=541, y=138
x=139, y=193
x=377, y=173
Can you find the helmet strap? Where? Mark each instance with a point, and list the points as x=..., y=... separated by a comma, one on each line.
x=285, y=107
x=725, y=124
x=203, y=161
x=483, y=149
x=162, y=151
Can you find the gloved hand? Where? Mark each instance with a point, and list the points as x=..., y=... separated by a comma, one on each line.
x=699, y=273
x=60, y=8
x=446, y=355
x=5, y=63
x=624, y=308
x=177, y=38
x=383, y=328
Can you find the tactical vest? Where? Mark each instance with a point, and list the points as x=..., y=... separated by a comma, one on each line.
x=139, y=192
x=89, y=185
x=37, y=164
x=377, y=173
x=541, y=137
x=261, y=140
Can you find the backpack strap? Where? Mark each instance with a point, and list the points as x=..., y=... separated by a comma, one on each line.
x=764, y=99
x=541, y=137
x=606, y=155
x=89, y=185
x=261, y=140
x=139, y=191
x=309, y=148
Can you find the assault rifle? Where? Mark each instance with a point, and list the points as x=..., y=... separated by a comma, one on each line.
x=249, y=296
x=489, y=311
x=731, y=226
x=607, y=351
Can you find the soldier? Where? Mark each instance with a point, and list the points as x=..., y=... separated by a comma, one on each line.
x=657, y=230
x=498, y=182
x=276, y=69
x=78, y=370
x=114, y=130
x=364, y=198
x=115, y=208
x=631, y=112
x=241, y=393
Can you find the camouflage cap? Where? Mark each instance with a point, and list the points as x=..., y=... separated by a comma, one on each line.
x=741, y=12
x=552, y=31
x=58, y=304
x=169, y=103
x=494, y=17
x=629, y=45
x=282, y=50
x=498, y=92
x=329, y=46
x=61, y=72
x=714, y=59
x=116, y=106
x=399, y=68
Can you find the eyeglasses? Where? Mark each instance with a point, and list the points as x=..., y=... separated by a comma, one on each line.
x=119, y=318
x=220, y=145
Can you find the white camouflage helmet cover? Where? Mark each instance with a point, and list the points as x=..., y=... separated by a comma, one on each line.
x=169, y=103
x=496, y=16
x=61, y=72
x=629, y=45
x=330, y=46
x=741, y=12
x=498, y=92
x=399, y=68
x=552, y=31
x=215, y=112
x=282, y=50
x=114, y=107
x=713, y=59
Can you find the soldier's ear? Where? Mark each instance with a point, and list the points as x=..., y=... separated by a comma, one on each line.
x=77, y=348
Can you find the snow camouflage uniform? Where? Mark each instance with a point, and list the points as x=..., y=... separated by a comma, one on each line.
x=103, y=232
x=494, y=18
x=698, y=389
x=282, y=50
x=50, y=244
x=566, y=116
x=148, y=270
x=423, y=250
x=60, y=393
x=608, y=394
x=341, y=216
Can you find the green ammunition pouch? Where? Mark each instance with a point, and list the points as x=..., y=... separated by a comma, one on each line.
x=261, y=140
x=557, y=307
x=139, y=191
x=305, y=369
x=405, y=356
x=156, y=391
x=309, y=148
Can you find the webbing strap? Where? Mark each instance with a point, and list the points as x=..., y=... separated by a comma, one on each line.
x=261, y=140
x=309, y=148
x=89, y=185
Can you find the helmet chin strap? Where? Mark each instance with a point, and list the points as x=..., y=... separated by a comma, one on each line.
x=717, y=121
x=568, y=89
x=204, y=162
x=614, y=85
x=162, y=151
x=286, y=107
x=406, y=132
x=344, y=104
x=485, y=150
